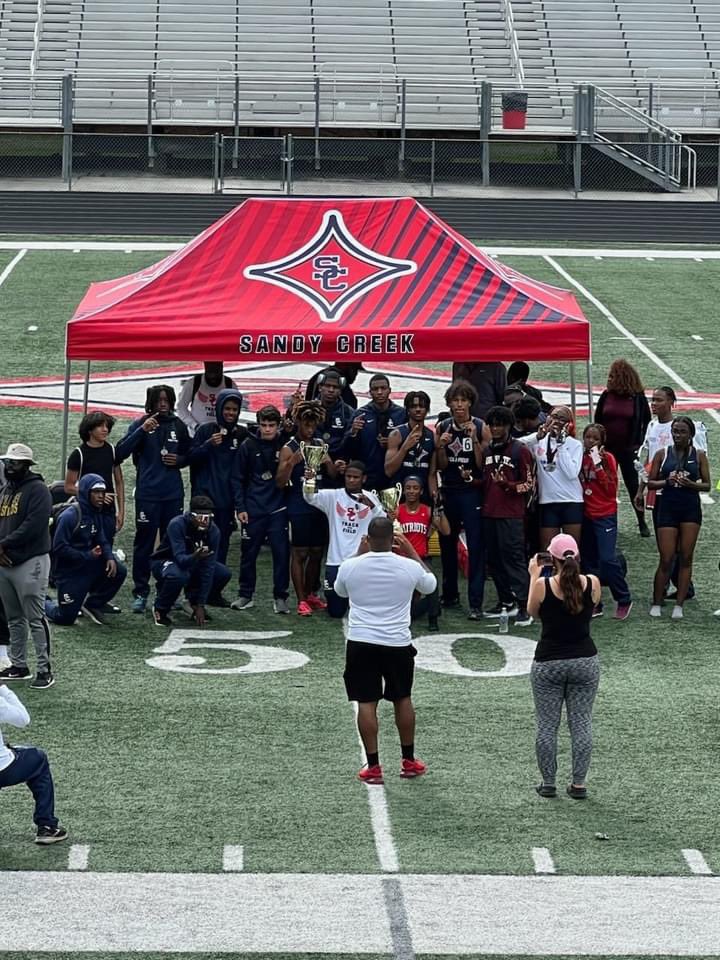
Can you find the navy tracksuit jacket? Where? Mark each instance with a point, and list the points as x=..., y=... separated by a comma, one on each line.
x=364, y=445
x=79, y=574
x=257, y=495
x=333, y=431
x=211, y=466
x=159, y=490
x=175, y=567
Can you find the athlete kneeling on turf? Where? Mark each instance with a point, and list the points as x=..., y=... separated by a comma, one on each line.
x=87, y=575
x=187, y=557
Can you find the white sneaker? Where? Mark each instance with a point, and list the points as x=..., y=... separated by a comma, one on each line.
x=656, y=610
x=717, y=613
x=243, y=603
x=5, y=663
x=677, y=613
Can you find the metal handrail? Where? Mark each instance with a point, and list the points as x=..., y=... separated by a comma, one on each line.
x=37, y=33
x=511, y=35
x=632, y=156
x=387, y=76
x=638, y=115
x=624, y=84
x=691, y=167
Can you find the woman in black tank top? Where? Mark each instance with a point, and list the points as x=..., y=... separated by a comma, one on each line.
x=679, y=474
x=566, y=668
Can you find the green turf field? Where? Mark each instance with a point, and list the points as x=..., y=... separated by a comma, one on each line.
x=157, y=770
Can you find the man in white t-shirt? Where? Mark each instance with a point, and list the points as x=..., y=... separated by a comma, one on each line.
x=349, y=512
x=379, y=660
x=198, y=395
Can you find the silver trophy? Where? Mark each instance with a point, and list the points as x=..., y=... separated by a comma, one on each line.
x=313, y=455
x=390, y=498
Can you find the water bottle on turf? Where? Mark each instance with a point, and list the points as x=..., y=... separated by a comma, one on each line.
x=504, y=620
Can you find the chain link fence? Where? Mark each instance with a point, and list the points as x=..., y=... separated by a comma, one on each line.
x=352, y=166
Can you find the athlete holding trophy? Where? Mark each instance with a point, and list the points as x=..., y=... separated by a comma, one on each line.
x=390, y=499
x=308, y=527
x=349, y=511
x=313, y=455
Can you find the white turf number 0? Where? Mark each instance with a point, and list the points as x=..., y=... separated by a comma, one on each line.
x=435, y=653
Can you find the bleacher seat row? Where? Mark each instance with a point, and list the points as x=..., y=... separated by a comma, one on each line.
x=361, y=51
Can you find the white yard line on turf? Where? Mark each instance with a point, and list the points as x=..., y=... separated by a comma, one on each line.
x=78, y=855
x=599, y=254
x=346, y=913
x=133, y=246
x=380, y=818
x=697, y=863
x=11, y=266
x=77, y=245
x=542, y=860
x=233, y=858
x=377, y=800
x=636, y=341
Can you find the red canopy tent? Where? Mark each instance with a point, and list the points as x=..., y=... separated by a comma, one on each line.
x=328, y=278
x=288, y=279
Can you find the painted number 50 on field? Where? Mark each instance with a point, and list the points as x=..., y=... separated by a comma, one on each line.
x=181, y=653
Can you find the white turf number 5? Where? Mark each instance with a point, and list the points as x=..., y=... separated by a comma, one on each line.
x=262, y=659
x=435, y=653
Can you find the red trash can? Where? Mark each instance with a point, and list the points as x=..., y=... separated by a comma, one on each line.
x=514, y=110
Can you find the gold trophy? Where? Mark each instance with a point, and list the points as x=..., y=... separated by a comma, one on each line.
x=390, y=499
x=313, y=455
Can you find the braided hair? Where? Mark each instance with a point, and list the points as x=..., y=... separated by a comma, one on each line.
x=152, y=397
x=308, y=410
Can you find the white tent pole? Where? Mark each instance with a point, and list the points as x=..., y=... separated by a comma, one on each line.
x=66, y=415
x=573, y=396
x=591, y=412
x=86, y=387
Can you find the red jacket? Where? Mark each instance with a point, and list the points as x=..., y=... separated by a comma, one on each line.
x=600, y=486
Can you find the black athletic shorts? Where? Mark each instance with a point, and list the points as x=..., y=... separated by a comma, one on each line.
x=309, y=530
x=671, y=512
x=560, y=514
x=374, y=671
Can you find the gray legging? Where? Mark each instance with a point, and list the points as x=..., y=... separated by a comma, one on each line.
x=575, y=683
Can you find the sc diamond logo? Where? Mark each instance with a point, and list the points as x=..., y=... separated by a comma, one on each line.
x=331, y=270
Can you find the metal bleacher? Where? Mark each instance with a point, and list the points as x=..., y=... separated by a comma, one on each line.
x=630, y=46
x=277, y=50
x=269, y=64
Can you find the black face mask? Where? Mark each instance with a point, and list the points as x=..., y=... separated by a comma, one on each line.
x=16, y=472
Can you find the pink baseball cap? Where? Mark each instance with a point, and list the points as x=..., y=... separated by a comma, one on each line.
x=562, y=545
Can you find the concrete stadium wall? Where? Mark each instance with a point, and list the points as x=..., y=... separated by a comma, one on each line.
x=590, y=221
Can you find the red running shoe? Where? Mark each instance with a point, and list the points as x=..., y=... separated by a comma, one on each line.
x=412, y=768
x=304, y=609
x=371, y=774
x=316, y=603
